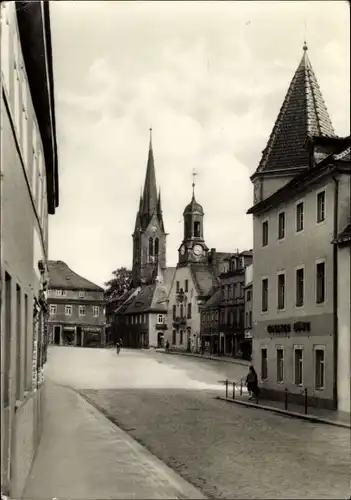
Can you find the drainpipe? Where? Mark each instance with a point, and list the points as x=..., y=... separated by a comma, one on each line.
x=335, y=293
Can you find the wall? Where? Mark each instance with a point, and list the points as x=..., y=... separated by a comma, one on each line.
x=344, y=328
x=182, y=274
x=153, y=331
x=24, y=242
x=271, y=184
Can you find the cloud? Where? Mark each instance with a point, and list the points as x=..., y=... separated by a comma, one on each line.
x=209, y=77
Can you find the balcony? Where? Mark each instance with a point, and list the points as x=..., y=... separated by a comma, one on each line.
x=161, y=326
x=179, y=322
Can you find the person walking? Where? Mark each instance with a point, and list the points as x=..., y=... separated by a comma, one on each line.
x=118, y=345
x=252, y=383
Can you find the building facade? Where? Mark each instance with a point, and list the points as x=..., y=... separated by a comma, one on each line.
x=28, y=193
x=301, y=199
x=248, y=307
x=76, y=308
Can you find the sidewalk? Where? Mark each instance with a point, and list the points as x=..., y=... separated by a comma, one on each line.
x=82, y=455
x=223, y=359
x=331, y=417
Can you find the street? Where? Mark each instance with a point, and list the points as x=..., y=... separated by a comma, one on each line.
x=167, y=403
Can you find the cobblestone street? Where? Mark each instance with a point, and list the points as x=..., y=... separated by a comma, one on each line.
x=168, y=404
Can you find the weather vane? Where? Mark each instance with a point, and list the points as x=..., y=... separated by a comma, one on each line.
x=194, y=174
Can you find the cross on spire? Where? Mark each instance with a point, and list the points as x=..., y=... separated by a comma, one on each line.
x=194, y=174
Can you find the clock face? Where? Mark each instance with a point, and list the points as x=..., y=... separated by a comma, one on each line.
x=198, y=250
x=182, y=250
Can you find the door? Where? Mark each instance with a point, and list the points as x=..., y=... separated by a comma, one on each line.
x=57, y=335
x=79, y=336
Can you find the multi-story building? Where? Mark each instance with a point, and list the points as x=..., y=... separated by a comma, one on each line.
x=232, y=307
x=28, y=193
x=76, y=308
x=196, y=277
x=248, y=308
x=301, y=204
x=209, y=326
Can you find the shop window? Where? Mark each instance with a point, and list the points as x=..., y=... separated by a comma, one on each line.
x=280, y=364
x=264, y=365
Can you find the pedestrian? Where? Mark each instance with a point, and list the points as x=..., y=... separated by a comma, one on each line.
x=118, y=345
x=167, y=345
x=252, y=383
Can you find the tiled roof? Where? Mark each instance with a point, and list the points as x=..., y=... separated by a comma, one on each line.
x=142, y=301
x=343, y=155
x=61, y=276
x=204, y=279
x=126, y=300
x=345, y=235
x=302, y=114
x=214, y=300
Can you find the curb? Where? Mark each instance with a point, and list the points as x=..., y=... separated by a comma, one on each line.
x=301, y=416
x=191, y=355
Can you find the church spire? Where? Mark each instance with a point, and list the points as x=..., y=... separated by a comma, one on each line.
x=303, y=114
x=150, y=191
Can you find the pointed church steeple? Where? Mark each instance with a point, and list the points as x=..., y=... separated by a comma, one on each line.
x=303, y=114
x=150, y=191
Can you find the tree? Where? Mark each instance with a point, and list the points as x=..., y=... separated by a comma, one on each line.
x=119, y=284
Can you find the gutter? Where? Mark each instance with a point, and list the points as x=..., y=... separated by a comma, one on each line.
x=335, y=293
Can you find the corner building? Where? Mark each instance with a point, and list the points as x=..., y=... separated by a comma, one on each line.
x=29, y=192
x=301, y=204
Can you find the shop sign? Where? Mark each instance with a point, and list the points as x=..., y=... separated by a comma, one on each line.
x=69, y=328
x=284, y=329
x=91, y=329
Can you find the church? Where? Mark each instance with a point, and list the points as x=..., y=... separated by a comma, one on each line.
x=140, y=319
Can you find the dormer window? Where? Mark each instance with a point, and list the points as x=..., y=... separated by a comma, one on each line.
x=81, y=294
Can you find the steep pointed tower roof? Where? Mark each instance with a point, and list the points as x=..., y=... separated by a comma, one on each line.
x=302, y=114
x=150, y=191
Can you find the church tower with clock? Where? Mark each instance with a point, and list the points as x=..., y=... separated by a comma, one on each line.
x=193, y=249
x=149, y=236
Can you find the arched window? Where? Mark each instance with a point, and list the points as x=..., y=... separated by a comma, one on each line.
x=197, y=229
x=151, y=247
x=156, y=246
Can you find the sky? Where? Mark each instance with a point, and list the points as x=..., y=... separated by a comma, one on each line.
x=209, y=77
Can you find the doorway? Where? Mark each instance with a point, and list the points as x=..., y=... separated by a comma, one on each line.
x=79, y=336
x=57, y=335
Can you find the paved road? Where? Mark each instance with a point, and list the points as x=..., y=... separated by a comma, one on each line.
x=168, y=404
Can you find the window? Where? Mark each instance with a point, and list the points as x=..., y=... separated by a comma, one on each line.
x=181, y=311
x=174, y=311
x=19, y=374
x=299, y=216
x=280, y=364
x=321, y=206
x=181, y=337
x=197, y=229
x=265, y=294
x=248, y=296
x=68, y=310
x=186, y=286
x=265, y=233
x=49, y=292
x=16, y=84
x=174, y=337
x=189, y=311
x=156, y=246
x=177, y=285
x=151, y=247
x=58, y=293
x=96, y=311
x=281, y=291
x=250, y=319
x=264, y=367
x=247, y=320
x=320, y=285
x=319, y=368
x=160, y=319
x=53, y=309
x=81, y=294
x=24, y=120
x=81, y=310
x=300, y=287
x=281, y=225
x=298, y=353
x=64, y=293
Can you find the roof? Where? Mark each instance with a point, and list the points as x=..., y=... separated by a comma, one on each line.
x=204, y=279
x=61, y=276
x=302, y=114
x=33, y=20
x=215, y=300
x=345, y=236
x=193, y=206
x=145, y=300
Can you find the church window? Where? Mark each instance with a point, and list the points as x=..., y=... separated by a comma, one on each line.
x=156, y=246
x=151, y=246
x=197, y=229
